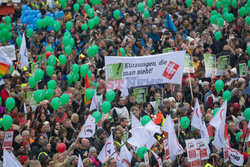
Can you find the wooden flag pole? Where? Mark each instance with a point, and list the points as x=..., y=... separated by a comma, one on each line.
x=190, y=85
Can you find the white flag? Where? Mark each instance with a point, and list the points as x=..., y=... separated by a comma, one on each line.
x=9, y=160
x=5, y=59
x=24, y=108
x=174, y=147
x=23, y=53
x=236, y=157
x=146, y=159
x=220, y=118
x=158, y=159
x=80, y=164
x=88, y=129
x=107, y=150
x=94, y=103
x=50, y=3
x=150, y=126
x=125, y=156
x=135, y=122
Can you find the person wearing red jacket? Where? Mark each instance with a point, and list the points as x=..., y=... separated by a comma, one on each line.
x=5, y=91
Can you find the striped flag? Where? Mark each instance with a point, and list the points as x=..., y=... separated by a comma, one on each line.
x=5, y=63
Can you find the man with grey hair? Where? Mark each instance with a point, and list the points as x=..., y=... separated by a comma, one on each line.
x=25, y=134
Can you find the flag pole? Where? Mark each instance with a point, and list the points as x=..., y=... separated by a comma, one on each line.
x=244, y=139
x=190, y=85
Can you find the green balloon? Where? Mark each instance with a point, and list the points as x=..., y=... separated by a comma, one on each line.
x=91, y=12
x=39, y=23
x=1, y=122
x=75, y=68
x=247, y=20
x=234, y=3
x=49, y=49
x=62, y=59
x=11, y=69
x=32, y=82
x=224, y=10
x=96, y=19
x=189, y=3
x=150, y=3
x=213, y=19
x=81, y=2
x=66, y=40
x=97, y=115
x=218, y=35
x=64, y=99
x=50, y=71
x=91, y=23
x=55, y=103
x=230, y=17
x=76, y=7
x=93, y=50
x=7, y=122
x=38, y=75
x=110, y=95
x=145, y=119
x=75, y=77
x=69, y=25
x=238, y=136
x=7, y=20
x=242, y=11
x=219, y=85
x=68, y=50
x=2, y=25
x=210, y=3
x=69, y=79
x=52, y=84
x=227, y=95
x=72, y=42
x=122, y=51
x=185, y=122
x=57, y=26
x=247, y=114
x=89, y=73
x=146, y=14
x=220, y=22
x=9, y=27
x=141, y=7
x=89, y=93
x=84, y=69
x=67, y=34
x=49, y=94
x=19, y=41
x=106, y=106
x=63, y=3
x=141, y=151
x=116, y=14
x=215, y=111
x=218, y=4
x=248, y=63
x=85, y=27
x=10, y=103
x=51, y=22
x=248, y=50
x=52, y=60
x=87, y=7
x=36, y=96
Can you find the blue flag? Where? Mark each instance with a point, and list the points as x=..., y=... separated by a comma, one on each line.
x=169, y=23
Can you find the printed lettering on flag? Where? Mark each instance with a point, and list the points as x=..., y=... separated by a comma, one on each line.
x=166, y=149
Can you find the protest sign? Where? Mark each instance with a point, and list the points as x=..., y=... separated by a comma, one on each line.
x=8, y=140
x=189, y=64
x=202, y=146
x=30, y=97
x=223, y=62
x=140, y=94
x=34, y=67
x=127, y=72
x=243, y=69
x=192, y=152
x=196, y=163
x=167, y=50
x=210, y=65
x=42, y=61
x=9, y=51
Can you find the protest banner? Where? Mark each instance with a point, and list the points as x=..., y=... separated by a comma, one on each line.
x=222, y=67
x=210, y=65
x=192, y=152
x=243, y=69
x=189, y=64
x=9, y=51
x=8, y=140
x=127, y=72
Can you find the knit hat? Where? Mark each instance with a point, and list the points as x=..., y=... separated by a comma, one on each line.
x=23, y=158
x=234, y=70
x=92, y=149
x=72, y=158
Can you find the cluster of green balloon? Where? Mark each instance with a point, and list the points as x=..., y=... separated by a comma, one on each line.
x=68, y=41
x=76, y=7
x=10, y=103
x=218, y=35
x=38, y=75
x=46, y=22
x=63, y=3
x=189, y=3
x=97, y=115
x=141, y=7
x=92, y=50
x=145, y=119
x=106, y=106
x=116, y=14
x=141, y=151
x=185, y=122
x=110, y=95
x=227, y=95
x=84, y=27
x=30, y=32
x=18, y=40
x=122, y=51
x=247, y=114
x=64, y=99
x=5, y=30
x=39, y=95
x=238, y=136
x=7, y=121
x=146, y=14
x=49, y=94
x=150, y=3
x=55, y=103
x=215, y=111
x=89, y=93
x=32, y=82
x=219, y=85
x=84, y=70
x=62, y=59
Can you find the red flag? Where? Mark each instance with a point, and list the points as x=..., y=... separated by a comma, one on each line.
x=157, y=118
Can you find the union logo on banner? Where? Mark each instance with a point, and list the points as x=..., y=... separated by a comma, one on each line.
x=170, y=71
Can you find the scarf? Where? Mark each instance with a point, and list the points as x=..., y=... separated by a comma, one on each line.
x=94, y=160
